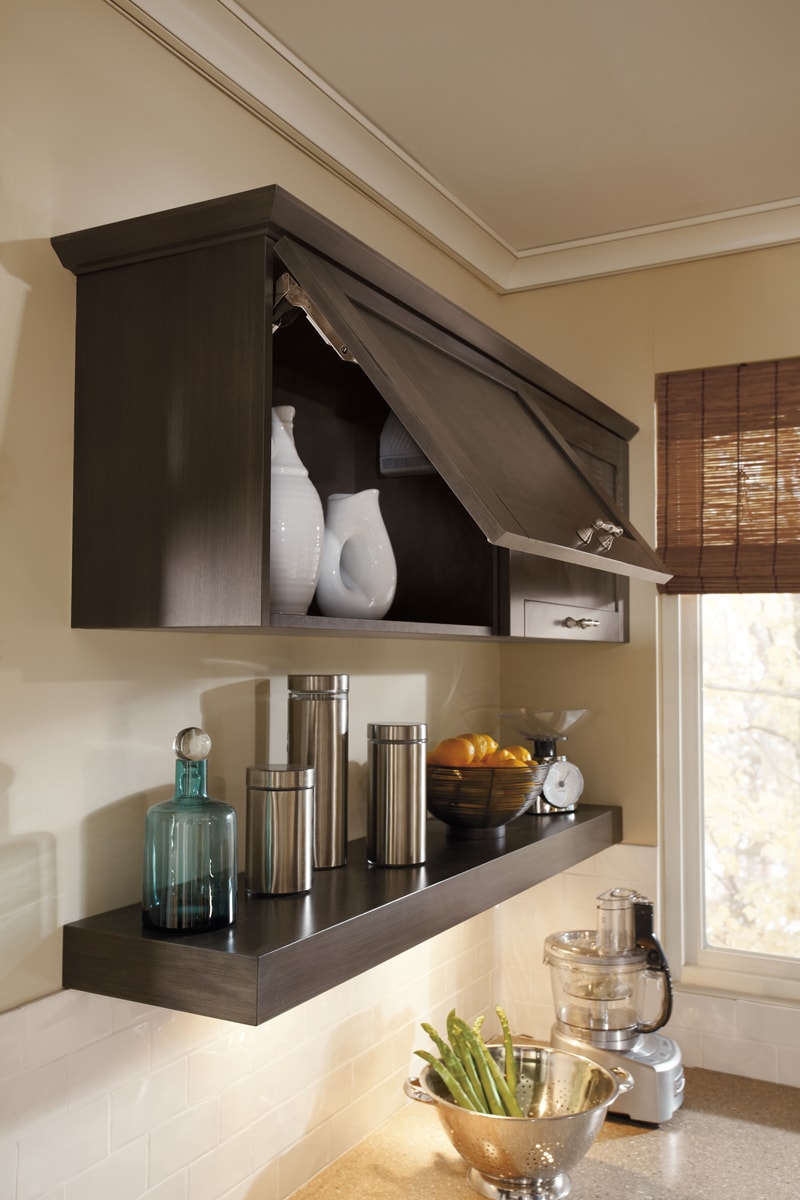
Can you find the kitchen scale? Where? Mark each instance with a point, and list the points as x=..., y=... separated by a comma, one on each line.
x=563, y=785
x=598, y=978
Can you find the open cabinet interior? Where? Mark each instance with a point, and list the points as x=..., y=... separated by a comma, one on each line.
x=446, y=569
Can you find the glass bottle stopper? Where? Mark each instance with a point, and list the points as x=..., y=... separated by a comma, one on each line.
x=192, y=744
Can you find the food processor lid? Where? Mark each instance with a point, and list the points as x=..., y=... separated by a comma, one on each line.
x=578, y=948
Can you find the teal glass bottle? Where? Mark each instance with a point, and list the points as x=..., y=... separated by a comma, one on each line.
x=190, y=855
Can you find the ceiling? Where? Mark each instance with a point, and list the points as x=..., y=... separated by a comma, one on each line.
x=535, y=140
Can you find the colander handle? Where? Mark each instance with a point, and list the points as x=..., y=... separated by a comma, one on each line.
x=414, y=1091
x=624, y=1078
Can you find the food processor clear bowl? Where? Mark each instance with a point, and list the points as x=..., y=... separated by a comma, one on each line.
x=598, y=997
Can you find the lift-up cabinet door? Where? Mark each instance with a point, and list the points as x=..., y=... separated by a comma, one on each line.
x=481, y=426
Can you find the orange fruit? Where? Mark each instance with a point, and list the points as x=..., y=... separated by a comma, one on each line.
x=484, y=745
x=452, y=752
x=520, y=752
x=503, y=758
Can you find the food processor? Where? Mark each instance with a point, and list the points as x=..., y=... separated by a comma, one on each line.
x=598, y=978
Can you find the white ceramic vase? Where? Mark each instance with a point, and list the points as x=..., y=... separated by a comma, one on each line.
x=297, y=522
x=358, y=573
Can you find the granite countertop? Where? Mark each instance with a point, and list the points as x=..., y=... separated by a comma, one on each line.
x=732, y=1139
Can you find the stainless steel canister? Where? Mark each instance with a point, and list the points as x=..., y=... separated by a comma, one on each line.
x=280, y=829
x=396, y=808
x=318, y=729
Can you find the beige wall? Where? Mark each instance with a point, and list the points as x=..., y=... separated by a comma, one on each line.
x=99, y=122
x=612, y=336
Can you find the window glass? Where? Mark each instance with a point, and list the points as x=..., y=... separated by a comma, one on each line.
x=750, y=666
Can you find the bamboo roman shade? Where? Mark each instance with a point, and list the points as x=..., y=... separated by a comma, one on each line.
x=729, y=477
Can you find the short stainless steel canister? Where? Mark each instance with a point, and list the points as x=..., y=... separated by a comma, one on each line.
x=280, y=829
x=396, y=799
x=318, y=737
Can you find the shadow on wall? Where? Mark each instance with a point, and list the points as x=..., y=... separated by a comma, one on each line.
x=113, y=835
x=28, y=911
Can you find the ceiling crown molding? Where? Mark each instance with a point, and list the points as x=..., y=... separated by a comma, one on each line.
x=234, y=52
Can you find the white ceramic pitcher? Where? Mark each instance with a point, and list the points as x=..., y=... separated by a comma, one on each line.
x=358, y=572
x=297, y=522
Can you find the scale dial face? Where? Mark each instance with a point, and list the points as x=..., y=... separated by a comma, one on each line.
x=563, y=786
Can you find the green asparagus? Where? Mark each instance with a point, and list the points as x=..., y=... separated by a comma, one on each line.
x=469, y=1071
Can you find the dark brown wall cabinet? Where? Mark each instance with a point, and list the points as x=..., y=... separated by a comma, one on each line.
x=177, y=368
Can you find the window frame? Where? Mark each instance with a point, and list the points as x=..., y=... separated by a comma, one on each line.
x=693, y=964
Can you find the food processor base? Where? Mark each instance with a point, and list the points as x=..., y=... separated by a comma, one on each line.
x=654, y=1062
x=520, y=1189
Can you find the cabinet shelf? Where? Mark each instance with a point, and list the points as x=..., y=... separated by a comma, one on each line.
x=285, y=950
x=312, y=623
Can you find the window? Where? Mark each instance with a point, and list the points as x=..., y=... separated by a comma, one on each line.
x=751, y=772
x=729, y=527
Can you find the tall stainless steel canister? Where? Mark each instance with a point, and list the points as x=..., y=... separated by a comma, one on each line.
x=396, y=800
x=318, y=729
x=280, y=829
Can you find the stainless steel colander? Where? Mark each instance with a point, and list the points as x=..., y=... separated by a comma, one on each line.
x=566, y=1097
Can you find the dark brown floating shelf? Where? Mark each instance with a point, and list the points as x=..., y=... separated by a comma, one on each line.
x=285, y=950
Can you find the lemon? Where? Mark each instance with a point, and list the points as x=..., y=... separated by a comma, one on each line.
x=503, y=758
x=484, y=745
x=520, y=752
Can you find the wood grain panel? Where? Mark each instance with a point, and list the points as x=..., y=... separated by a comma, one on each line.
x=285, y=950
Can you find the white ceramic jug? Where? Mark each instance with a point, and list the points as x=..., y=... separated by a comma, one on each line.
x=358, y=572
x=297, y=522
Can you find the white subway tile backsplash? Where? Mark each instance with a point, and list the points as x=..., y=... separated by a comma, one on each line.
x=105, y=1065
x=330, y=1094
x=705, y=1013
x=213, y=1174
x=302, y=1161
x=690, y=1042
x=122, y=1175
x=181, y=1140
x=277, y=1127
x=216, y=1066
x=773, y=1023
x=52, y=1153
x=8, y=1167
x=125, y=1013
x=102, y=1098
x=11, y=1032
x=733, y=1056
x=272, y=1039
x=148, y=1102
x=249, y=1098
x=174, y=1034
x=32, y=1098
x=174, y=1188
x=62, y=1025
x=789, y=1067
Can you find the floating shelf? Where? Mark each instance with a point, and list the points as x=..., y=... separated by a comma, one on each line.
x=285, y=950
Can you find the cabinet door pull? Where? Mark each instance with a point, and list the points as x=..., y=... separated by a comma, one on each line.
x=606, y=532
x=581, y=622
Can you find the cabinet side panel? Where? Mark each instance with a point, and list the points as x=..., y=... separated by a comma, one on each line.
x=170, y=441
